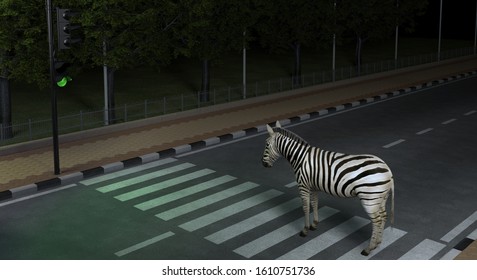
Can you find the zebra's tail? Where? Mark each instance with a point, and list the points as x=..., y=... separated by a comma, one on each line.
x=392, y=202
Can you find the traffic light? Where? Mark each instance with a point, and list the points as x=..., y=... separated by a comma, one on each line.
x=61, y=73
x=67, y=36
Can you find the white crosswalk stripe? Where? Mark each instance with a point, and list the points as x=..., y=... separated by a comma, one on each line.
x=390, y=235
x=229, y=210
x=158, y=201
x=273, y=238
x=423, y=251
x=197, y=199
x=325, y=240
x=143, y=178
x=117, y=174
x=254, y=221
x=163, y=185
x=205, y=201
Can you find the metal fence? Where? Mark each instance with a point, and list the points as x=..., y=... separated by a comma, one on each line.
x=37, y=129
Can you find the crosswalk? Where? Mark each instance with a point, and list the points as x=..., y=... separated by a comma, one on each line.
x=245, y=218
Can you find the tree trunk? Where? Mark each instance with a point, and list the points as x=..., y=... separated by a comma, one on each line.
x=297, y=67
x=205, y=88
x=5, y=107
x=359, y=45
x=111, y=99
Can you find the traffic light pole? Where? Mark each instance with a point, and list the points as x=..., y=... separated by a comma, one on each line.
x=54, y=107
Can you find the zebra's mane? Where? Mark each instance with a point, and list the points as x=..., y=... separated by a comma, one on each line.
x=290, y=135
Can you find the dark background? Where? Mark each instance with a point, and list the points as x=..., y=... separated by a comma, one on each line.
x=458, y=20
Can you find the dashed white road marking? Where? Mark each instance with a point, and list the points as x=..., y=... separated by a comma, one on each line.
x=449, y=121
x=470, y=113
x=424, y=131
x=393, y=143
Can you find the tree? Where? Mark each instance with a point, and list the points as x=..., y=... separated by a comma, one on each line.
x=210, y=28
x=286, y=25
x=23, y=51
x=124, y=34
x=367, y=19
x=376, y=19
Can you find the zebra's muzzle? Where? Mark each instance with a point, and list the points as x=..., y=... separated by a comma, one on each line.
x=266, y=164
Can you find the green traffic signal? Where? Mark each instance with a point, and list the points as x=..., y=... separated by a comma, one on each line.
x=64, y=81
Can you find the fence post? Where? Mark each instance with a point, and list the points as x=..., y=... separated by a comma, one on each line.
x=1, y=131
x=145, y=108
x=164, y=105
x=125, y=112
x=198, y=99
x=81, y=119
x=182, y=102
x=29, y=128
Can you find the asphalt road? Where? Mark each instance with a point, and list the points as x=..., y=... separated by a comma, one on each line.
x=220, y=203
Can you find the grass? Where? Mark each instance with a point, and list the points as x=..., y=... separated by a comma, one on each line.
x=85, y=92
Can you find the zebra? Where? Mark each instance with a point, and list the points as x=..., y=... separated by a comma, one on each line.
x=341, y=175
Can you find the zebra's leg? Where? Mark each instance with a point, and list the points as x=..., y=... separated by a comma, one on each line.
x=305, y=198
x=382, y=223
x=374, y=214
x=383, y=214
x=314, y=205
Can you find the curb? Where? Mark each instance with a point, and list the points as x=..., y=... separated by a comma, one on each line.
x=112, y=167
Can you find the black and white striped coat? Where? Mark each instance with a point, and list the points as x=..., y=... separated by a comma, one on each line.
x=364, y=176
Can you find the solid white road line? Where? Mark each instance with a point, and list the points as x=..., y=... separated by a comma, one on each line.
x=473, y=235
x=127, y=171
x=451, y=254
x=460, y=228
x=424, y=250
x=42, y=193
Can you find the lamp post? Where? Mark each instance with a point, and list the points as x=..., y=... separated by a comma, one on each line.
x=54, y=108
x=333, y=62
x=397, y=38
x=440, y=34
x=475, y=33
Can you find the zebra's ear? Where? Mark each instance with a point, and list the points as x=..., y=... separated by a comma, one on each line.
x=270, y=130
x=277, y=124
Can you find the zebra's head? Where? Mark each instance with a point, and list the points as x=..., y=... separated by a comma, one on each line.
x=270, y=154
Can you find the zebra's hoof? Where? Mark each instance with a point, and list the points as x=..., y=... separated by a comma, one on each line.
x=364, y=252
x=313, y=227
x=303, y=234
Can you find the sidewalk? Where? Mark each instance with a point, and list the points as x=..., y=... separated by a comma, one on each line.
x=29, y=166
